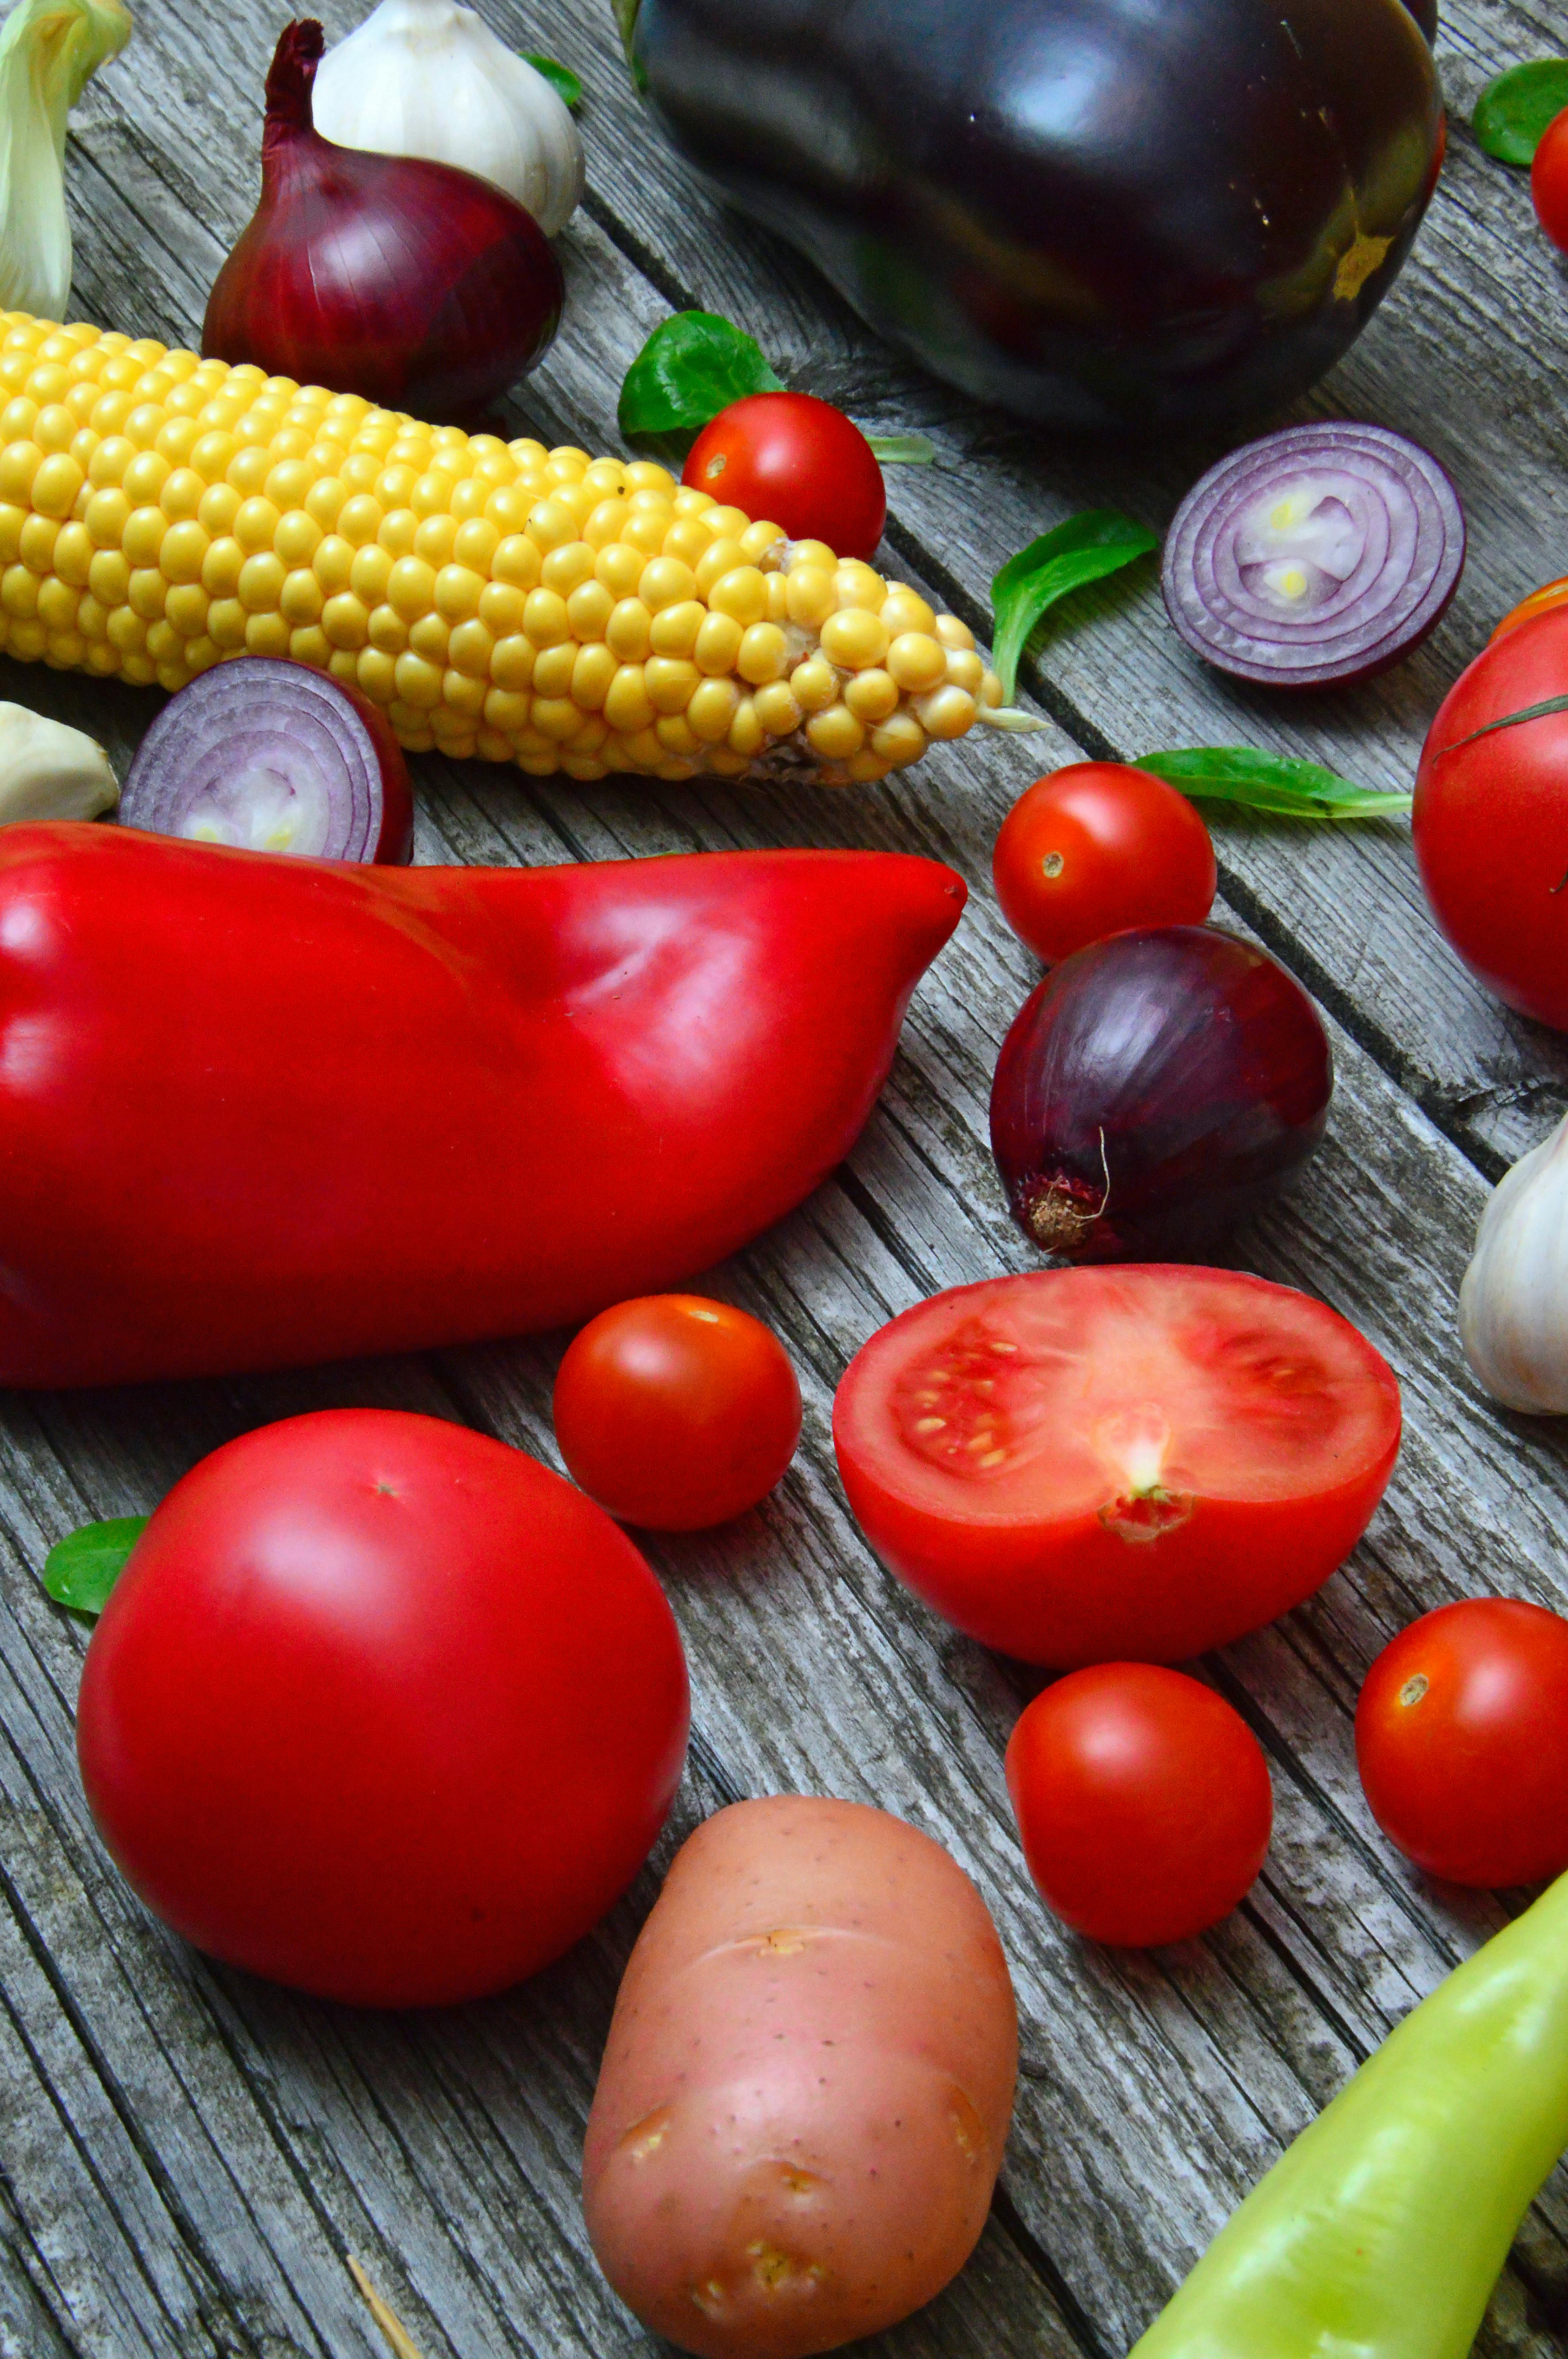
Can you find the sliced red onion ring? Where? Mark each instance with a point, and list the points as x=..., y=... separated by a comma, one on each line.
x=1318, y=554
x=264, y=753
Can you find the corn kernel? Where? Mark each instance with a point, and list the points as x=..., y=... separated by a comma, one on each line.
x=759, y=539
x=55, y=484
x=714, y=706
x=184, y=551
x=343, y=620
x=676, y=629
x=872, y=695
x=858, y=585
x=746, y=734
x=670, y=682
x=810, y=592
x=742, y=595
x=470, y=650
x=917, y=661
x=854, y=639
x=34, y=543
x=387, y=630
x=58, y=603
x=721, y=557
x=512, y=665
x=553, y=669
x=717, y=644
x=419, y=682
x=544, y=618
x=776, y=709
x=835, y=733
x=900, y=741
x=591, y=672
x=628, y=705
x=226, y=620
x=814, y=684
x=666, y=582
x=676, y=736
x=689, y=538
x=629, y=631
x=619, y=568
x=266, y=635
x=953, y=632
x=764, y=654
x=333, y=564
x=965, y=670
x=903, y=610
x=300, y=602
x=260, y=584
x=946, y=711
x=563, y=568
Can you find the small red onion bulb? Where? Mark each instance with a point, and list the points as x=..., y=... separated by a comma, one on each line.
x=415, y=285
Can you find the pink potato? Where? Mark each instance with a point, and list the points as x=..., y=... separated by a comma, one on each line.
x=807, y=2085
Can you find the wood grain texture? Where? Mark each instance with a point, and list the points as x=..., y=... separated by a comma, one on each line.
x=186, y=2155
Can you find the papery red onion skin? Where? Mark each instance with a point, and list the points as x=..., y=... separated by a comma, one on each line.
x=417, y=285
x=1397, y=608
x=151, y=794
x=1156, y=1088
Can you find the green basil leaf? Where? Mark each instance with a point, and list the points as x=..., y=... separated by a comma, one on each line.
x=562, y=79
x=1269, y=782
x=902, y=449
x=1508, y=721
x=1084, y=550
x=694, y=366
x=1513, y=111
x=82, y=1570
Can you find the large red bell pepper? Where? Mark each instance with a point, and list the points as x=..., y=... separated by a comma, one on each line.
x=259, y=1111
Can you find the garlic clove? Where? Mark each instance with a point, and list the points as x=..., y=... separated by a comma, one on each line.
x=426, y=78
x=48, y=771
x=1513, y=1303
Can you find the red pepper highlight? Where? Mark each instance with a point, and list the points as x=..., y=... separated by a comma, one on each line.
x=258, y=1111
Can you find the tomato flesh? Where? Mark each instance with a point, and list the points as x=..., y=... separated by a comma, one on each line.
x=1085, y=1466
x=1462, y=1741
x=1143, y=1802
x=675, y=1412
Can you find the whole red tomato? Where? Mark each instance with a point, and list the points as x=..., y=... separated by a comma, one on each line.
x=1089, y=1465
x=1462, y=1741
x=382, y=1708
x=798, y=462
x=1548, y=180
x=1094, y=848
x=1143, y=1801
x=1491, y=817
x=676, y=1412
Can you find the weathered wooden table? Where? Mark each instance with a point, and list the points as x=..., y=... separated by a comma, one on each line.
x=187, y=2156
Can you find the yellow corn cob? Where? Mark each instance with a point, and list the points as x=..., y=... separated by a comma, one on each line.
x=160, y=513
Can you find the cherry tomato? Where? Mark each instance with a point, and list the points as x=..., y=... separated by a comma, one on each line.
x=1540, y=602
x=675, y=1412
x=382, y=1708
x=1143, y=1801
x=1462, y=1741
x=1548, y=180
x=1490, y=820
x=798, y=462
x=1097, y=847
x=1092, y=1465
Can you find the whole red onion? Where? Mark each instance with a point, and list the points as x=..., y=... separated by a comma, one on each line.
x=418, y=286
x=1155, y=1089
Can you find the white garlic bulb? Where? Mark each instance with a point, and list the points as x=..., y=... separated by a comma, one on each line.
x=1513, y=1304
x=424, y=78
x=48, y=771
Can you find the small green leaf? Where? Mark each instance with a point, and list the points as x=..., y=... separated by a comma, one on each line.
x=694, y=366
x=1513, y=111
x=902, y=449
x=1084, y=550
x=562, y=79
x=82, y=1570
x=1269, y=782
x=1508, y=721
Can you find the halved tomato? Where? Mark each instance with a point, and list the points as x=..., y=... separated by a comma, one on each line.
x=1117, y=1464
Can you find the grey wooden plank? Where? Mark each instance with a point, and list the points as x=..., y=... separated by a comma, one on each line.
x=1213, y=2058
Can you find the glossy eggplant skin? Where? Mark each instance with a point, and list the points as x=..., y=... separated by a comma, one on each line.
x=1100, y=213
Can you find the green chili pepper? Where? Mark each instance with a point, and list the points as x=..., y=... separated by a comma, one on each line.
x=1381, y=2231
